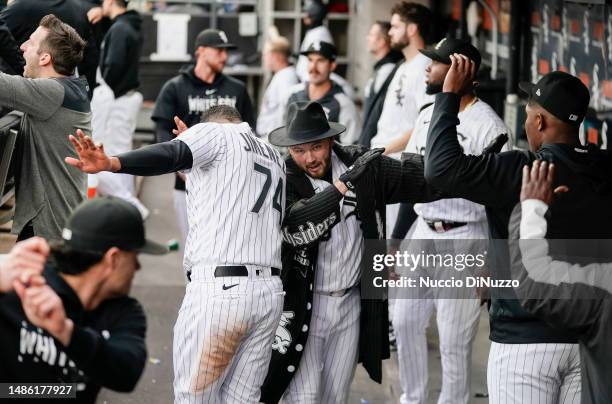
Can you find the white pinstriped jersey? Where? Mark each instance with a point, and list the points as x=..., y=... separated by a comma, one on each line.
x=478, y=126
x=339, y=256
x=405, y=97
x=235, y=198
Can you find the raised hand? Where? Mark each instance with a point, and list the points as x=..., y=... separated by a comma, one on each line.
x=180, y=126
x=24, y=263
x=538, y=182
x=92, y=158
x=460, y=76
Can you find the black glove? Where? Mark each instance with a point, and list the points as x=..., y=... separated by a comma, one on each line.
x=496, y=144
x=359, y=166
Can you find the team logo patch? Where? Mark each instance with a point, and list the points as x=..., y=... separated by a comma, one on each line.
x=573, y=117
x=538, y=93
x=439, y=44
x=223, y=36
x=283, y=339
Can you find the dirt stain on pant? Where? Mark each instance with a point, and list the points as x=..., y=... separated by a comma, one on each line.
x=217, y=353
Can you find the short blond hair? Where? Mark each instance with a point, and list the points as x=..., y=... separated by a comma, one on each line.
x=278, y=44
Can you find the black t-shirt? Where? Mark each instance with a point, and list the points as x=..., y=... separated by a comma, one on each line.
x=107, y=348
x=188, y=97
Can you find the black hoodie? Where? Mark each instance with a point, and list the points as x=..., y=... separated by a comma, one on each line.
x=107, y=348
x=120, y=53
x=188, y=97
x=494, y=180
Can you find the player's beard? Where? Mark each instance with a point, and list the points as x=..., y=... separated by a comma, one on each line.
x=401, y=44
x=433, y=88
x=321, y=170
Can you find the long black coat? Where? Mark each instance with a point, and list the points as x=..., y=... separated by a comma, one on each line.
x=387, y=181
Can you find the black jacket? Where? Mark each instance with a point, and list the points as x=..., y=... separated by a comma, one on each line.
x=120, y=53
x=107, y=348
x=9, y=50
x=23, y=16
x=373, y=104
x=188, y=97
x=587, y=313
x=388, y=181
x=373, y=109
x=494, y=180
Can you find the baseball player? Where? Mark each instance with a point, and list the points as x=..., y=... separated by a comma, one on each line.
x=276, y=54
x=406, y=94
x=546, y=283
x=331, y=209
x=528, y=357
x=54, y=102
x=375, y=89
x=322, y=89
x=235, y=204
x=115, y=103
x=457, y=318
x=190, y=94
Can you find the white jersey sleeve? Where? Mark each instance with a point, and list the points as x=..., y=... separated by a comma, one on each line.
x=206, y=143
x=349, y=117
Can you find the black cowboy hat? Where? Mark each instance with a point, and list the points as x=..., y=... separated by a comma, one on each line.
x=306, y=122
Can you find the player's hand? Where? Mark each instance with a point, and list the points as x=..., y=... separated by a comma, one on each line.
x=94, y=15
x=538, y=182
x=496, y=144
x=460, y=76
x=44, y=309
x=92, y=158
x=350, y=176
x=180, y=126
x=24, y=264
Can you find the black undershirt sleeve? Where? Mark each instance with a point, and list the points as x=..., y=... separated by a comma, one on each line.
x=157, y=159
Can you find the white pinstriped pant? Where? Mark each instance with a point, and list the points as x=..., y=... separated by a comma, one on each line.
x=534, y=374
x=457, y=323
x=222, y=339
x=113, y=122
x=330, y=356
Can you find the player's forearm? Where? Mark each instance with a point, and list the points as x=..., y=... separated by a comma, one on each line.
x=156, y=159
x=442, y=150
x=399, y=144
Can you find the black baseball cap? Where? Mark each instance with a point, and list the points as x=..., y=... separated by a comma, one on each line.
x=441, y=51
x=561, y=94
x=325, y=49
x=101, y=223
x=213, y=38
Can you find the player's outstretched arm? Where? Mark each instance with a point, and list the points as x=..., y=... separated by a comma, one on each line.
x=156, y=159
x=91, y=157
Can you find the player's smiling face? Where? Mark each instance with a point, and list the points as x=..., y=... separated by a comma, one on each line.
x=314, y=158
x=33, y=55
x=435, y=74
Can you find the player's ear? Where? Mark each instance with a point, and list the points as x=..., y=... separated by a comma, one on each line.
x=111, y=260
x=540, y=122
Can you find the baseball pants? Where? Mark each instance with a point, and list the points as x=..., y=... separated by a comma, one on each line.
x=222, y=336
x=457, y=318
x=180, y=207
x=113, y=122
x=534, y=373
x=330, y=357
